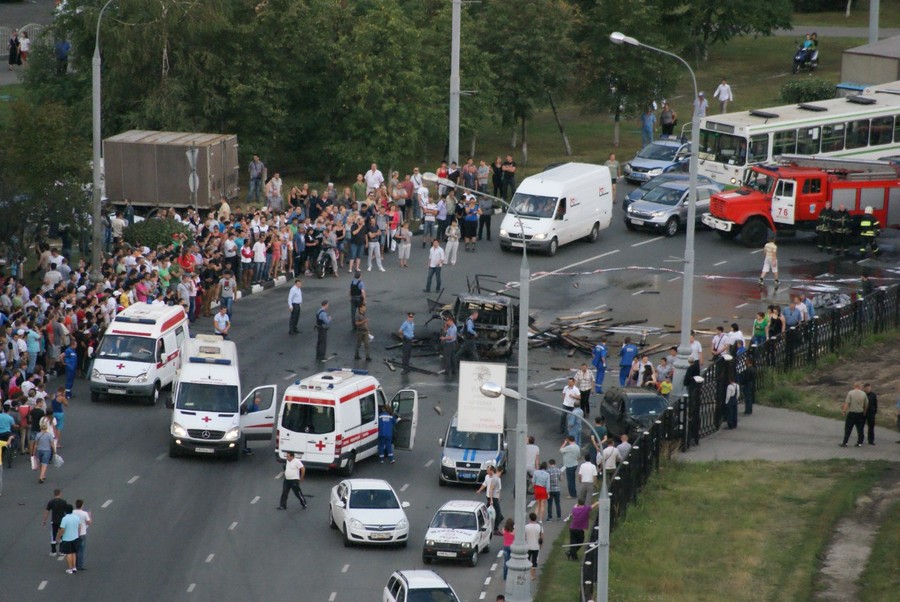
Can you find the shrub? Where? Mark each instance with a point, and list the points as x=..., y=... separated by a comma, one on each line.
x=153, y=232
x=807, y=90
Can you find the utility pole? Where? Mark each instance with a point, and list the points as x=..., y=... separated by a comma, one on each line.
x=453, y=151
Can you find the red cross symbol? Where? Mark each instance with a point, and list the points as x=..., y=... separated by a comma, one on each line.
x=120, y=366
x=320, y=445
x=206, y=419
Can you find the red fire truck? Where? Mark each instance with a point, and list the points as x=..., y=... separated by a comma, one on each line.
x=788, y=196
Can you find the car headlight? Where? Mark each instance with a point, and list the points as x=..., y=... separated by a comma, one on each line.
x=658, y=213
x=447, y=461
x=734, y=180
x=655, y=172
x=541, y=236
x=178, y=431
x=233, y=435
x=466, y=545
x=95, y=373
x=141, y=378
x=429, y=542
x=502, y=232
x=627, y=168
x=355, y=524
x=403, y=524
x=630, y=209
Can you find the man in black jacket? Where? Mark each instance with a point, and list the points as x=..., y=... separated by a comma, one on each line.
x=871, y=410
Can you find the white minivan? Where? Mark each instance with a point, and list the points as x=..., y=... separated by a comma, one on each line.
x=210, y=416
x=555, y=207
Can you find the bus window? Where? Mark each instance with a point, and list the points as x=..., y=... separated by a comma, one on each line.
x=759, y=148
x=785, y=143
x=882, y=130
x=833, y=138
x=872, y=197
x=722, y=148
x=858, y=133
x=845, y=197
x=897, y=130
x=808, y=141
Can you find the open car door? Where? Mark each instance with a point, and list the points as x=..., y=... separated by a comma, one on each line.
x=405, y=405
x=259, y=425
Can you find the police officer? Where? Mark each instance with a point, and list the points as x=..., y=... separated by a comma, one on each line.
x=323, y=322
x=407, y=335
x=362, y=331
x=868, y=229
x=598, y=361
x=386, y=423
x=843, y=230
x=357, y=296
x=823, y=228
x=448, y=345
x=469, y=347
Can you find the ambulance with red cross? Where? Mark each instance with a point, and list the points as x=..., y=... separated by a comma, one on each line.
x=330, y=419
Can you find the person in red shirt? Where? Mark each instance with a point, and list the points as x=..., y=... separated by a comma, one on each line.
x=187, y=261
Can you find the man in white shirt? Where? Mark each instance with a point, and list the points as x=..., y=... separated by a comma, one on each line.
x=571, y=396
x=696, y=350
x=84, y=518
x=700, y=106
x=735, y=335
x=723, y=95
x=295, y=300
x=624, y=447
x=587, y=476
x=374, y=179
x=259, y=260
x=610, y=458
x=534, y=538
x=491, y=488
x=222, y=322
x=435, y=262
x=294, y=472
x=720, y=342
x=429, y=216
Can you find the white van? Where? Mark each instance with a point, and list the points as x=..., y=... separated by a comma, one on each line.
x=140, y=352
x=210, y=416
x=330, y=420
x=557, y=206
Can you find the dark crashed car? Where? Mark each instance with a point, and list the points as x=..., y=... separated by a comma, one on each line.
x=631, y=410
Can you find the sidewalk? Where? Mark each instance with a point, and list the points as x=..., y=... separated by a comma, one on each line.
x=835, y=32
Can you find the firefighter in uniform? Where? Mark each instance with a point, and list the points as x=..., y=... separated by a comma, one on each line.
x=869, y=229
x=823, y=228
x=842, y=227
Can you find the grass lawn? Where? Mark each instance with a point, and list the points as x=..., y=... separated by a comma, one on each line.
x=8, y=94
x=889, y=16
x=725, y=531
x=881, y=579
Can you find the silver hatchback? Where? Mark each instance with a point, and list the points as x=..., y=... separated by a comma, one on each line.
x=665, y=207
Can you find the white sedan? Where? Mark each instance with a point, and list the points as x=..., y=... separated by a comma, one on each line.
x=368, y=511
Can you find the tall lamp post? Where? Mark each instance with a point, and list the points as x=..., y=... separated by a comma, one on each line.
x=518, y=585
x=601, y=590
x=687, y=291
x=97, y=235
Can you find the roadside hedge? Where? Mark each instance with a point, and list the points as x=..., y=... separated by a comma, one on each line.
x=807, y=89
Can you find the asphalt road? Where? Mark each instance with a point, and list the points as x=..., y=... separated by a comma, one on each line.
x=203, y=529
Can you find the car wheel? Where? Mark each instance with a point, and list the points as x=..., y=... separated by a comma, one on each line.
x=95, y=396
x=671, y=228
x=404, y=543
x=442, y=482
x=351, y=465
x=331, y=522
x=554, y=246
x=629, y=226
x=594, y=235
x=174, y=452
x=426, y=559
x=754, y=233
x=347, y=542
x=474, y=559
x=728, y=234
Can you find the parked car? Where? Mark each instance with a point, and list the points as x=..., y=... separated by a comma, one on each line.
x=460, y=530
x=418, y=586
x=673, y=176
x=368, y=511
x=665, y=208
x=631, y=410
x=669, y=153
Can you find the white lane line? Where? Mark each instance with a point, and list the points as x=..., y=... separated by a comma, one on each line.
x=106, y=504
x=332, y=597
x=279, y=475
x=232, y=526
x=741, y=305
x=636, y=293
x=647, y=242
x=532, y=503
x=673, y=279
x=706, y=319
x=493, y=567
x=42, y=585
x=487, y=581
x=290, y=377
x=500, y=554
x=757, y=251
x=664, y=335
x=345, y=568
x=133, y=479
x=161, y=456
x=723, y=262
x=482, y=595
x=254, y=500
x=405, y=487
x=191, y=587
x=565, y=268
x=429, y=463
x=210, y=558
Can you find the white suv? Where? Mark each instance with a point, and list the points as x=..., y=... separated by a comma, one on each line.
x=418, y=586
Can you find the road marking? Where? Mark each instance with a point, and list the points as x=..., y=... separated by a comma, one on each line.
x=332, y=597
x=493, y=568
x=290, y=377
x=429, y=463
x=161, y=456
x=345, y=568
x=405, y=487
x=706, y=319
x=741, y=305
x=674, y=279
x=500, y=554
x=482, y=595
x=279, y=475
x=191, y=587
x=232, y=526
x=254, y=500
x=210, y=558
x=531, y=503
x=133, y=479
x=723, y=262
x=42, y=585
x=636, y=293
x=664, y=335
x=757, y=251
x=647, y=242
x=576, y=264
x=487, y=581
x=106, y=504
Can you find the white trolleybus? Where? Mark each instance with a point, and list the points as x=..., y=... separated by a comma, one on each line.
x=866, y=126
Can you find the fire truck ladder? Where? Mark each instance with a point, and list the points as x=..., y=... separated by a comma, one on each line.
x=850, y=169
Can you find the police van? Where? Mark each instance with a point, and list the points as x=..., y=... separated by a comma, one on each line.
x=465, y=456
x=330, y=419
x=140, y=352
x=210, y=417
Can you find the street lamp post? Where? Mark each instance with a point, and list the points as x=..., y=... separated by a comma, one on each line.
x=494, y=390
x=687, y=290
x=518, y=584
x=97, y=234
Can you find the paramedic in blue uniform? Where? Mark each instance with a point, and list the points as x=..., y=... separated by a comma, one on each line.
x=627, y=354
x=70, y=359
x=323, y=323
x=599, y=363
x=386, y=423
x=408, y=335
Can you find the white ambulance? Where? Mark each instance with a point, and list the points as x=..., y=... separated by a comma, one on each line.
x=140, y=352
x=330, y=420
x=209, y=414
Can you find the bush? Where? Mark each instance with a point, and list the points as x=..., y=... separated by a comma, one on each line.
x=153, y=232
x=808, y=89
